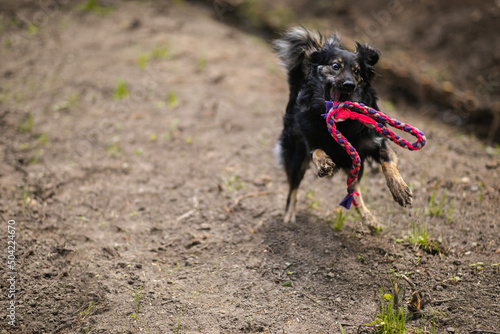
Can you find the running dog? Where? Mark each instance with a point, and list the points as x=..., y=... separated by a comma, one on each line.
x=320, y=70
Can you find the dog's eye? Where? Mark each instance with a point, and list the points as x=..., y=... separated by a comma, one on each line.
x=356, y=71
x=336, y=67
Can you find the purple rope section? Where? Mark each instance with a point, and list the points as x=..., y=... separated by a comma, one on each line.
x=340, y=111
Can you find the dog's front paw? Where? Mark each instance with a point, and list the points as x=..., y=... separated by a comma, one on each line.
x=325, y=167
x=400, y=191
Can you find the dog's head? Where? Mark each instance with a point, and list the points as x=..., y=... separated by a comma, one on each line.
x=338, y=72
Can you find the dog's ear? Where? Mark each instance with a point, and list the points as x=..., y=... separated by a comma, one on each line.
x=333, y=41
x=367, y=53
x=315, y=57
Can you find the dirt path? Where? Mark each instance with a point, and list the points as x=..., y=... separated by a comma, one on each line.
x=136, y=162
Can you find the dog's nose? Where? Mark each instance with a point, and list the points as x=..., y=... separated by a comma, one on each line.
x=348, y=85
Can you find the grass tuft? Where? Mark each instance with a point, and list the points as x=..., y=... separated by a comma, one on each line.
x=70, y=103
x=311, y=202
x=338, y=221
x=436, y=207
x=173, y=101
x=179, y=323
x=121, y=90
x=233, y=183
x=391, y=318
x=27, y=124
x=158, y=52
x=91, y=6
x=420, y=237
x=86, y=312
x=137, y=293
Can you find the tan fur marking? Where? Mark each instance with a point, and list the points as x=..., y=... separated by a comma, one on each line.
x=290, y=213
x=366, y=215
x=401, y=193
x=339, y=61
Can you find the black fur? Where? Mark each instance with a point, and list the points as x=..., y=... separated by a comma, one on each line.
x=320, y=70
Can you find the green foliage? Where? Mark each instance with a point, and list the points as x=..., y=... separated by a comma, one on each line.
x=91, y=6
x=232, y=183
x=449, y=213
x=173, y=101
x=114, y=150
x=70, y=103
x=41, y=141
x=26, y=192
x=137, y=293
x=311, y=202
x=32, y=29
x=171, y=130
x=27, y=124
x=202, y=62
x=86, y=312
x=477, y=267
x=142, y=61
x=34, y=161
x=121, y=90
x=342, y=330
x=436, y=207
x=420, y=237
x=179, y=323
x=391, y=318
x=481, y=189
x=158, y=52
x=338, y=221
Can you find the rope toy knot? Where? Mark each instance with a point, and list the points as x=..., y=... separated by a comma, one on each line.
x=371, y=118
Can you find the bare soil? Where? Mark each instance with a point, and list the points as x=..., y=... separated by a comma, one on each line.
x=156, y=205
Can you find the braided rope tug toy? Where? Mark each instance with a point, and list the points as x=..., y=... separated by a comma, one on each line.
x=371, y=118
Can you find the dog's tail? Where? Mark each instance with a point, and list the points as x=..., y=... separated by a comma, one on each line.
x=293, y=50
x=295, y=45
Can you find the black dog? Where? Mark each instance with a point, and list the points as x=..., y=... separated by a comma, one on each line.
x=319, y=71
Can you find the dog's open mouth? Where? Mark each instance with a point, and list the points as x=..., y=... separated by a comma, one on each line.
x=337, y=95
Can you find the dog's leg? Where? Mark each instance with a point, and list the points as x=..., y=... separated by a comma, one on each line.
x=367, y=217
x=295, y=159
x=398, y=187
x=324, y=165
x=295, y=174
x=291, y=202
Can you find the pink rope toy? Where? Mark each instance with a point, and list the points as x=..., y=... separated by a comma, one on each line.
x=371, y=118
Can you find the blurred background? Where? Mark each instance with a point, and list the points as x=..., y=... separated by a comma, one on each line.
x=444, y=55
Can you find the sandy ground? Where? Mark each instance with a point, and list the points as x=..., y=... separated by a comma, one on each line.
x=137, y=165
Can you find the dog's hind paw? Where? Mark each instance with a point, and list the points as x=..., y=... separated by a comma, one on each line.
x=401, y=193
x=325, y=167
